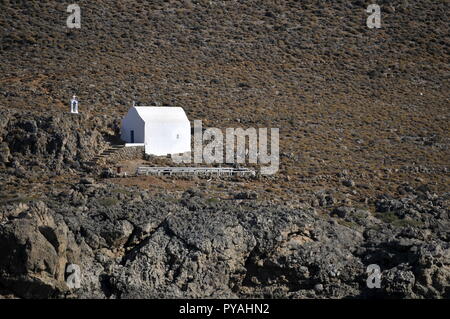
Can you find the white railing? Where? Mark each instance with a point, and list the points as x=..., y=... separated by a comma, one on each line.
x=148, y=170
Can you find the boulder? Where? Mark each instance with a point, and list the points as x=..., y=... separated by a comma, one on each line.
x=34, y=251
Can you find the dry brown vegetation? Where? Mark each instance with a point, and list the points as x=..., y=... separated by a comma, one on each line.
x=350, y=102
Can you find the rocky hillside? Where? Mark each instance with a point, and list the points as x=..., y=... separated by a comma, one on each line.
x=373, y=102
x=363, y=117
x=132, y=245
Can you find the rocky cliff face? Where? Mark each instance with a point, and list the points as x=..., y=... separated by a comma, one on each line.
x=35, y=247
x=52, y=142
x=130, y=245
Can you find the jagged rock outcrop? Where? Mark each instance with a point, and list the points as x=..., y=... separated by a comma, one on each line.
x=35, y=247
x=130, y=245
x=53, y=141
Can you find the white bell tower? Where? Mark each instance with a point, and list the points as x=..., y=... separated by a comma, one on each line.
x=74, y=105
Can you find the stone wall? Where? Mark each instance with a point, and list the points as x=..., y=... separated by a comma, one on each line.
x=126, y=153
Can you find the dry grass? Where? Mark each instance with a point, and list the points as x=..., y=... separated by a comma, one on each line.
x=345, y=97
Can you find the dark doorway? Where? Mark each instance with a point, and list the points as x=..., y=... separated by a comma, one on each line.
x=132, y=136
